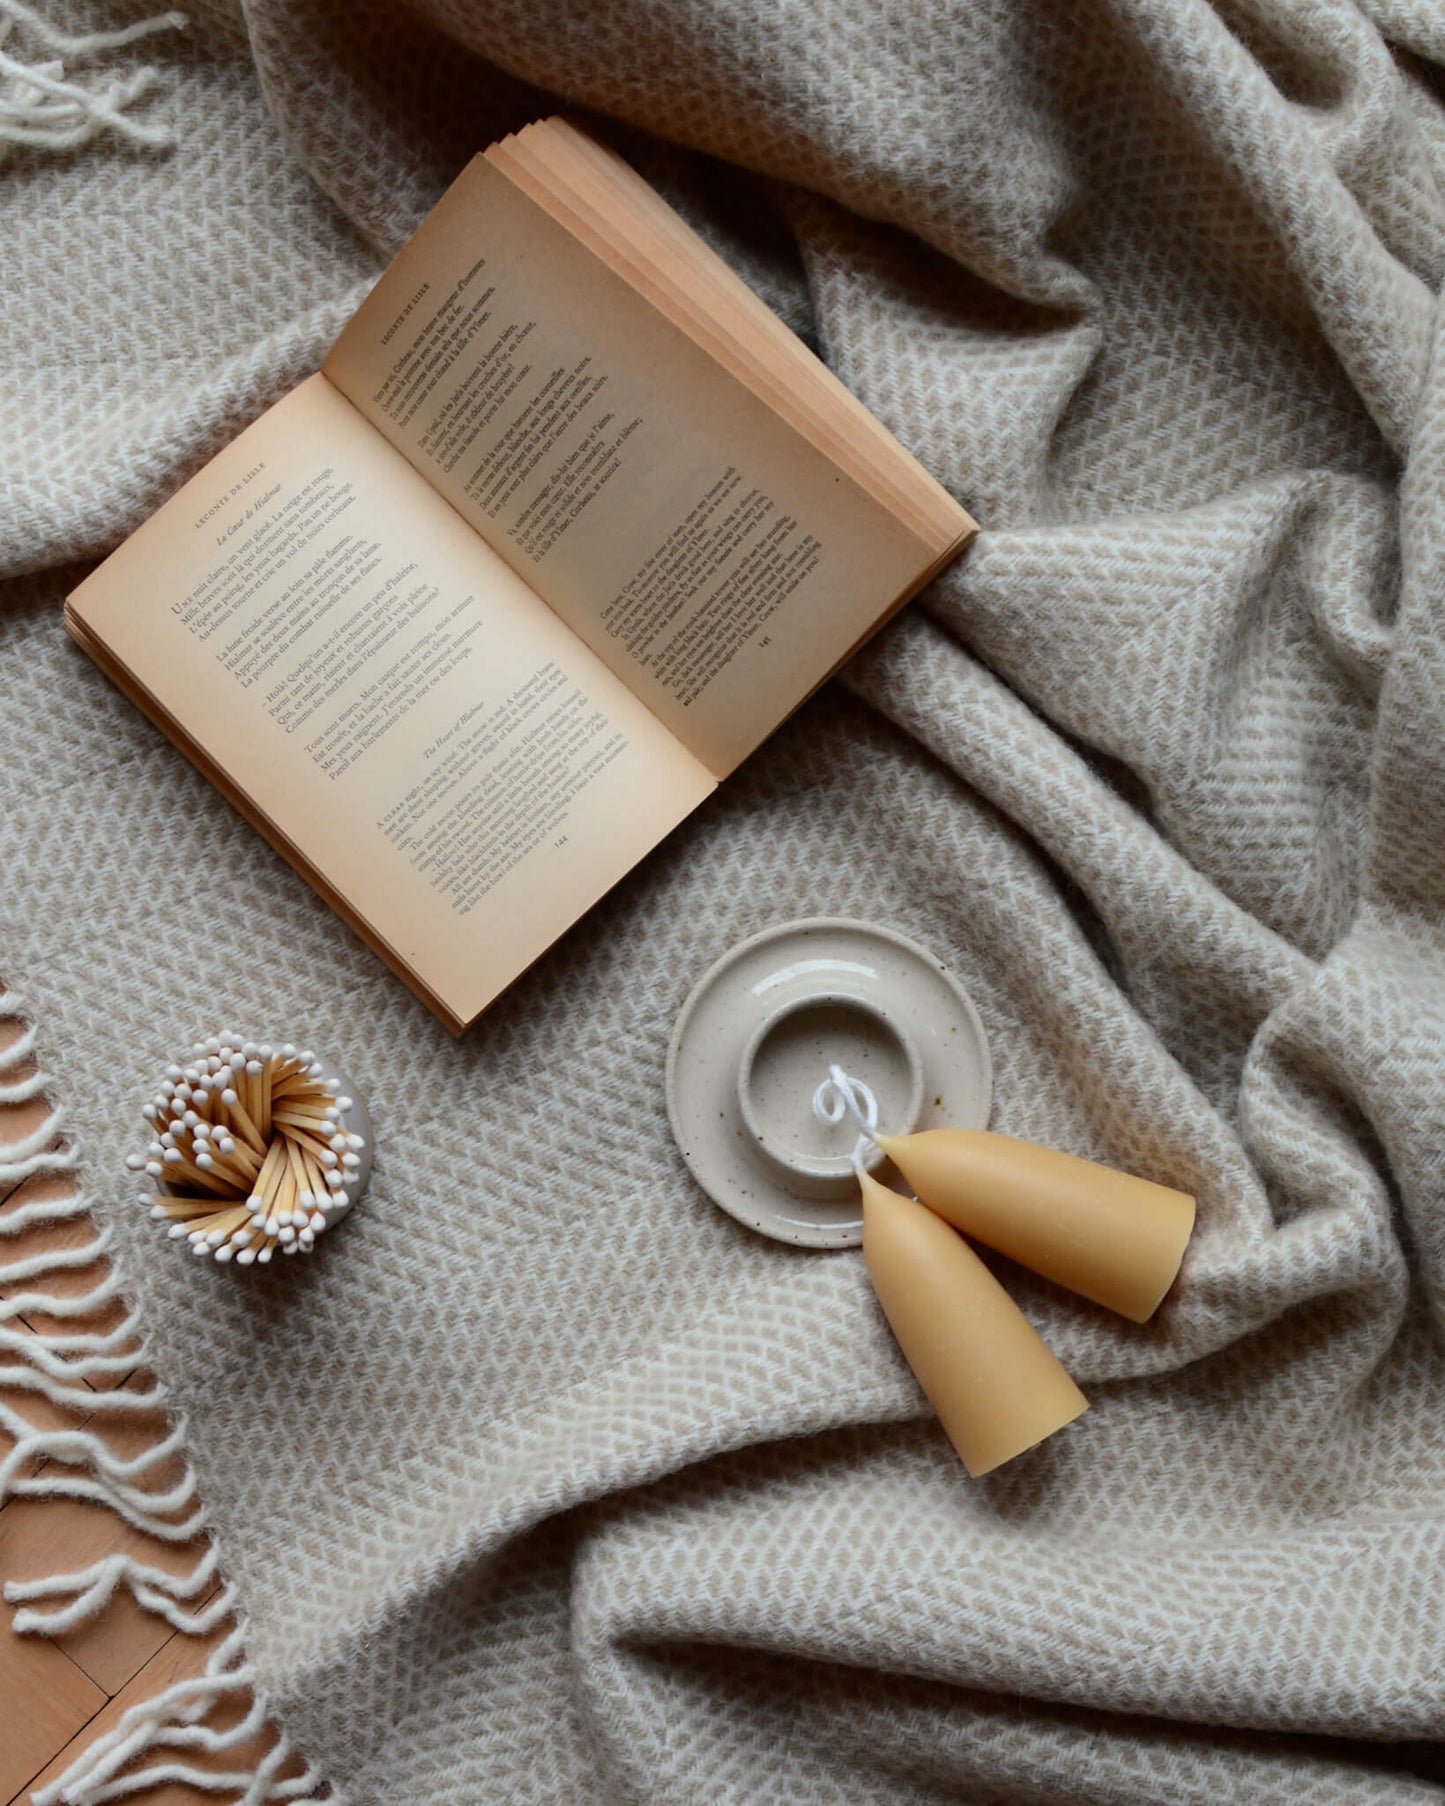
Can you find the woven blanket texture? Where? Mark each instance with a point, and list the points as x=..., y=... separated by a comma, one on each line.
x=542, y=1480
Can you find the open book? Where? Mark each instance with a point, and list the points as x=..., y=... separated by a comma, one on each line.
x=566, y=525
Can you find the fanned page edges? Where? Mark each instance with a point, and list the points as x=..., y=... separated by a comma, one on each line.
x=597, y=194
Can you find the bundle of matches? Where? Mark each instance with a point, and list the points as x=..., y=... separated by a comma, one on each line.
x=253, y=1148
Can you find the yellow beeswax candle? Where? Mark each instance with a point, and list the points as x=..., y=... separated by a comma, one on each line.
x=995, y=1386
x=1114, y=1238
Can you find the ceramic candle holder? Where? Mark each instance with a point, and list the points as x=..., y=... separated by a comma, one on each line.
x=758, y=1035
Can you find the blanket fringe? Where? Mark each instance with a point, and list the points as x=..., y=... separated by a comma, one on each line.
x=80, y=1464
x=171, y=1721
x=41, y=108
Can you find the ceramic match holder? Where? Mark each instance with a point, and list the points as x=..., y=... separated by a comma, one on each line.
x=253, y=1149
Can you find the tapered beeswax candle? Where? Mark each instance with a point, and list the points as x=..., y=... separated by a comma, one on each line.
x=1114, y=1238
x=996, y=1388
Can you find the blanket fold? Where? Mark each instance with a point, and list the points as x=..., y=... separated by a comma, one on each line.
x=543, y=1480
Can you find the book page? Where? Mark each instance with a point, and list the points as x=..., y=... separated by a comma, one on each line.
x=717, y=561
x=386, y=699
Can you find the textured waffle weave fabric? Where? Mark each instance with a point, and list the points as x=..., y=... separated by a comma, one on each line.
x=543, y=1481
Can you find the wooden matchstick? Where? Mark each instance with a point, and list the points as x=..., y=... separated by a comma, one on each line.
x=164, y=1205
x=238, y=1113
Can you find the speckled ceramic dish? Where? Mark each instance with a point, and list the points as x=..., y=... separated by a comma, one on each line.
x=757, y=1036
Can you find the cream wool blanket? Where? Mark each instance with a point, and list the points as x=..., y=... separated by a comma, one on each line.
x=544, y=1481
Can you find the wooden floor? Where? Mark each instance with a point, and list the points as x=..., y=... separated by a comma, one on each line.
x=57, y=1696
